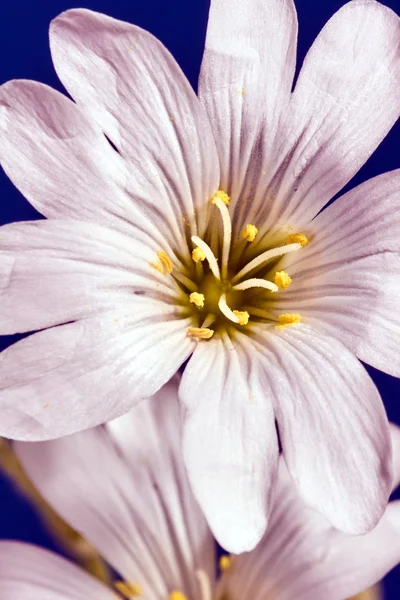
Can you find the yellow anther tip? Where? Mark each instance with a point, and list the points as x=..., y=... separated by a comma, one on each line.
x=242, y=315
x=249, y=233
x=164, y=263
x=197, y=299
x=288, y=319
x=225, y=562
x=221, y=195
x=177, y=595
x=298, y=238
x=198, y=255
x=282, y=280
x=202, y=333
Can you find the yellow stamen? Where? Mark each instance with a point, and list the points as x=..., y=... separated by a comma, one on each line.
x=220, y=195
x=256, y=282
x=128, y=589
x=258, y=261
x=242, y=315
x=226, y=242
x=288, y=319
x=282, y=280
x=212, y=261
x=177, y=595
x=297, y=238
x=203, y=333
x=228, y=312
x=198, y=255
x=249, y=232
x=197, y=299
x=225, y=562
x=164, y=264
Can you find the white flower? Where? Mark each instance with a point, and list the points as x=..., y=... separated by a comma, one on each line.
x=124, y=488
x=117, y=277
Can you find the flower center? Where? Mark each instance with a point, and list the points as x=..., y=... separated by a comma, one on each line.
x=222, y=291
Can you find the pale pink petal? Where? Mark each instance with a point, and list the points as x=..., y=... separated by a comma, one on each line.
x=61, y=162
x=32, y=573
x=130, y=84
x=395, y=437
x=54, y=272
x=332, y=424
x=229, y=442
x=347, y=280
x=345, y=102
x=302, y=557
x=137, y=508
x=78, y=375
x=245, y=84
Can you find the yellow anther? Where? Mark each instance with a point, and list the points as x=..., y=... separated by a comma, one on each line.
x=164, y=264
x=177, y=595
x=282, y=280
x=242, y=315
x=128, y=589
x=221, y=195
x=297, y=238
x=249, y=232
x=288, y=319
x=197, y=299
x=198, y=255
x=203, y=333
x=225, y=562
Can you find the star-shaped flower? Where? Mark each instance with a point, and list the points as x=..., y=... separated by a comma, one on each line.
x=139, y=513
x=180, y=227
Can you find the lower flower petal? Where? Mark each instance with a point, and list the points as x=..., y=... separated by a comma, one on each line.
x=302, y=557
x=230, y=444
x=137, y=510
x=332, y=425
x=79, y=375
x=32, y=573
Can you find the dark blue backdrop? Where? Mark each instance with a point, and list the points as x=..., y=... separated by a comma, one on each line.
x=180, y=25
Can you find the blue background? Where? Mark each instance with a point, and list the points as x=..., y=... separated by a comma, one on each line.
x=181, y=26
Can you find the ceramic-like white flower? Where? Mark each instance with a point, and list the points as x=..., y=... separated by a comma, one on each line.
x=125, y=489
x=194, y=232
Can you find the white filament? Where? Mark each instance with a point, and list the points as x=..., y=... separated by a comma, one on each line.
x=224, y=308
x=264, y=257
x=212, y=261
x=256, y=282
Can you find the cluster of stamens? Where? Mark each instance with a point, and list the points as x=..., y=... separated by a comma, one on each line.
x=201, y=295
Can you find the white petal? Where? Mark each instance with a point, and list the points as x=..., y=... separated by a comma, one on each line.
x=302, y=557
x=230, y=445
x=61, y=162
x=78, y=375
x=131, y=85
x=332, y=425
x=32, y=573
x=245, y=83
x=54, y=272
x=345, y=102
x=347, y=280
x=137, y=509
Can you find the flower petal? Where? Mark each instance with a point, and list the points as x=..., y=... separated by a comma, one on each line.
x=230, y=445
x=32, y=573
x=347, y=280
x=345, y=102
x=131, y=85
x=332, y=425
x=54, y=272
x=302, y=557
x=61, y=162
x=79, y=375
x=245, y=83
x=137, y=510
